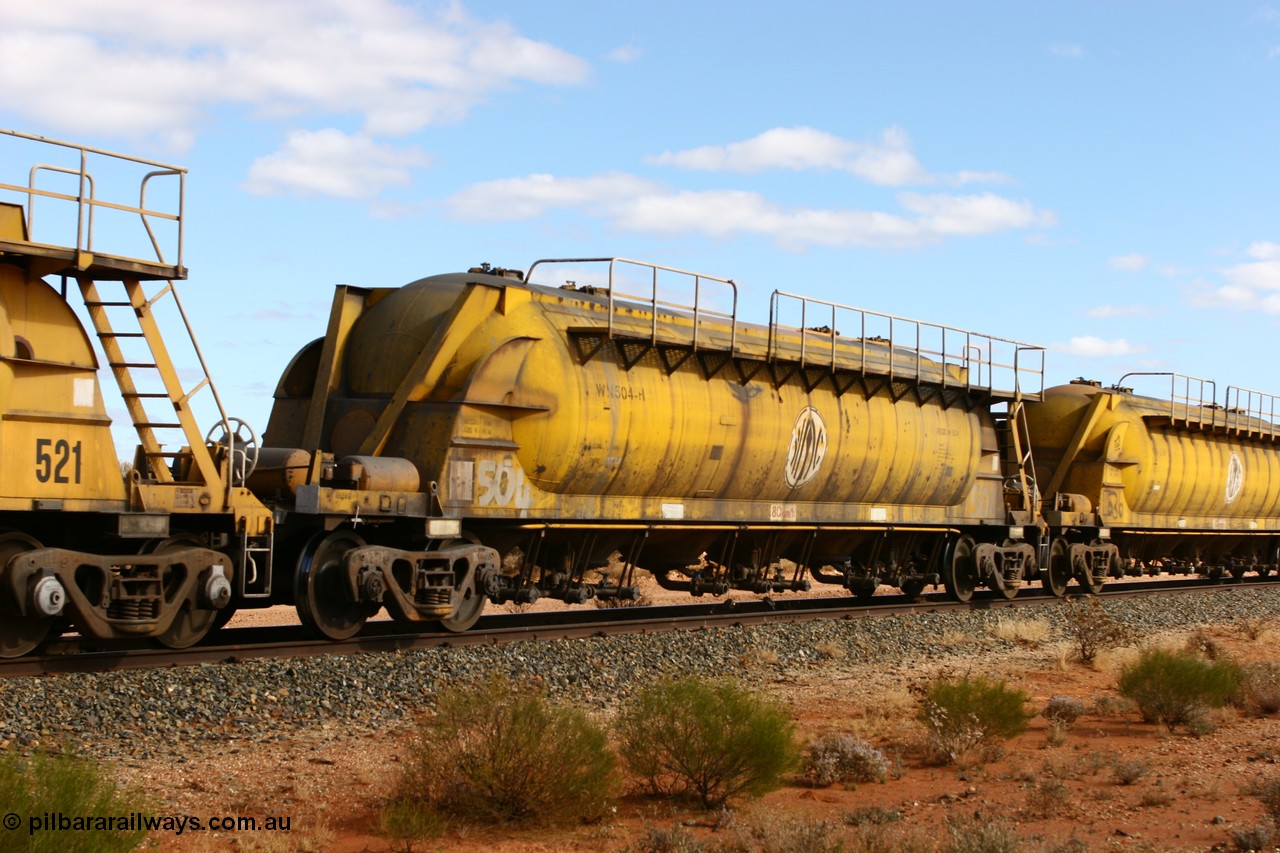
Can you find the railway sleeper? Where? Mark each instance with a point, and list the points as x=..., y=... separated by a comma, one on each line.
x=420, y=586
x=111, y=596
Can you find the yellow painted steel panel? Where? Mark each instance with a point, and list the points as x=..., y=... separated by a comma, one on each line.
x=1156, y=468
x=520, y=418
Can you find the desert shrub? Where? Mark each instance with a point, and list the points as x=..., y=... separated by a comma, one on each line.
x=677, y=839
x=1260, y=836
x=1063, y=710
x=1091, y=629
x=880, y=838
x=841, y=758
x=71, y=786
x=710, y=739
x=772, y=833
x=1253, y=627
x=1107, y=705
x=1128, y=771
x=405, y=819
x=1177, y=687
x=1202, y=643
x=970, y=714
x=1261, y=687
x=1047, y=798
x=1268, y=793
x=872, y=816
x=498, y=752
x=976, y=835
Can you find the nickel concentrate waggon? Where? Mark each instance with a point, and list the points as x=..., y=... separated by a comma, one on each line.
x=498, y=435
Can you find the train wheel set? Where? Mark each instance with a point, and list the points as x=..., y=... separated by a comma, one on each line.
x=502, y=435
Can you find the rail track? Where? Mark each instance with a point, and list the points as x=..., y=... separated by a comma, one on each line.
x=72, y=653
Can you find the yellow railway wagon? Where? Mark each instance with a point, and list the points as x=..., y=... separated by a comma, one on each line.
x=1176, y=478
x=532, y=410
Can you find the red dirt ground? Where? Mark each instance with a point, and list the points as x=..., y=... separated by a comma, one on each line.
x=1193, y=793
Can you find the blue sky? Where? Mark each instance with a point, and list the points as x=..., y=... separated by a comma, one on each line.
x=1096, y=177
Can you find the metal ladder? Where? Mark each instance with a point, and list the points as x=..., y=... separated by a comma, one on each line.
x=1017, y=465
x=141, y=325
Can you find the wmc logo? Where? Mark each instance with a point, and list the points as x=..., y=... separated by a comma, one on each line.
x=1235, y=477
x=808, y=446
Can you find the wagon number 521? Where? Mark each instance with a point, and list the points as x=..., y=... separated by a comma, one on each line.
x=62, y=465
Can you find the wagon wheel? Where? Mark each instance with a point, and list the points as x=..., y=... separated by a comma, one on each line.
x=1058, y=573
x=192, y=624
x=320, y=591
x=960, y=573
x=471, y=604
x=19, y=634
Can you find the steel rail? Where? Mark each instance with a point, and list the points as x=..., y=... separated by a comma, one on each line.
x=235, y=645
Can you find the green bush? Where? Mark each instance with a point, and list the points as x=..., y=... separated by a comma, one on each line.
x=497, y=752
x=712, y=740
x=1178, y=687
x=967, y=716
x=70, y=786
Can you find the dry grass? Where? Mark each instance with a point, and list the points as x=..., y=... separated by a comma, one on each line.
x=830, y=650
x=891, y=718
x=1031, y=633
x=962, y=639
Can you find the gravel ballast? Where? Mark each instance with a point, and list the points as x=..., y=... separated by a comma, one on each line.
x=169, y=712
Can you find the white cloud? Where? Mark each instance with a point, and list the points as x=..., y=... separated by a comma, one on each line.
x=161, y=68
x=1257, y=275
x=625, y=54
x=1104, y=312
x=1091, y=347
x=1067, y=50
x=1264, y=250
x=513, y=199
x=1251, y=285
x=973, y=214
x=332, y=163
x=1128, y=263
x=634, y=204
x=888, y=162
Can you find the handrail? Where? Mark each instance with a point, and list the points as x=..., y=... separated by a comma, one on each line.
x=699, y=312
x=1186, y=396
x=1242, y=410
x=1251, y=411
x=1001, y=358
x=86, y=198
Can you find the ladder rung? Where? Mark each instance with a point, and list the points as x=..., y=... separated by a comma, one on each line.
x=167, y=454
x=108, y=304
x=152, y=395
x=121, y=335
x=132, y=364
x=158, y=425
